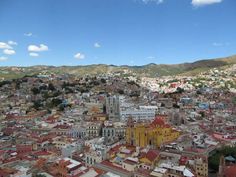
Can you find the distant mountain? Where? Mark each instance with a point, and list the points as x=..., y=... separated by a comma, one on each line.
x=149, y=70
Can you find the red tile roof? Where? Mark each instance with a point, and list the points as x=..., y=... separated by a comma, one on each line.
x=230, y=171
x=158, y=121
x=183, y=160
x=109, y=164
x=143, y=171
x=23, y=148
x=42, y=153
x=99, y=171
x=114, y=149
x=151, y=155
x=2, y=152
x=7, y=172
x=12, y=159
x=62, y=126
x=130, y=162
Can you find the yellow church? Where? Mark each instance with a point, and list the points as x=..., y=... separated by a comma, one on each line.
x=153, y=134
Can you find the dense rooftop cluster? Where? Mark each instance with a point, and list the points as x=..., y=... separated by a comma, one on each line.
x=112, y=125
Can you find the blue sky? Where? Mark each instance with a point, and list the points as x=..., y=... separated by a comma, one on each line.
x=133, y=32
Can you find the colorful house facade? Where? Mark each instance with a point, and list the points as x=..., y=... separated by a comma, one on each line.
x=153, y=135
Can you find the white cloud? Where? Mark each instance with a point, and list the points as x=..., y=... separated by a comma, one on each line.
x=97, y=45
x=3, y=58
x=32, y=54
x=4, y=45
x=219, y=44
x=28, y=34
x=35, y=48
x=156, y=1
x=9, y=51
x=151, y=57
x=79, y=56
x=198, y=3
x=12, y=43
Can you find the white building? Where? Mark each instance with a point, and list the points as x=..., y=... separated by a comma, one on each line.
x=138, y=114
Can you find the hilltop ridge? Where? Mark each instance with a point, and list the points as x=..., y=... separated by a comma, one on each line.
x=149, y=70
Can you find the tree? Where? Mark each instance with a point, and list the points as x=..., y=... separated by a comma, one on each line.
x=35, y=90
x=37, y=104
x=69, y=90
x=4, y=83
x=40, y=175
x=135, y=94
x=61, y=107
x=199, y=92
x=121, y=92
x=234, y=101
x=43, y=87
x=202, y=113
x=214, y=160
x=131, y=82
x=56, y=101
x=103, y=80
x=175, y=105
x=51, y=87
x=179, y=90
x=17, y=86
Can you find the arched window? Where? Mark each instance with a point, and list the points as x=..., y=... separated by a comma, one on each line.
x=87, y=159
